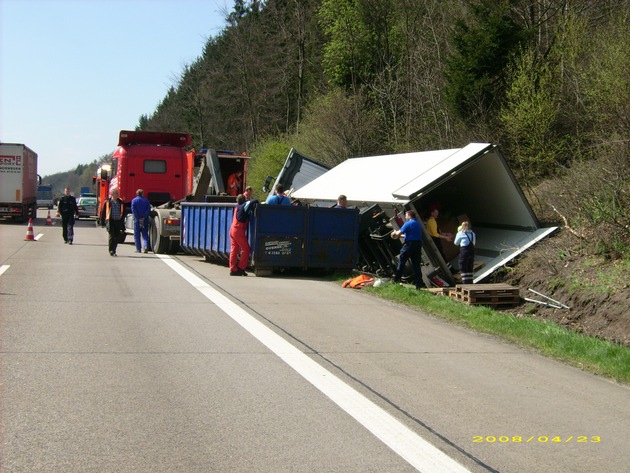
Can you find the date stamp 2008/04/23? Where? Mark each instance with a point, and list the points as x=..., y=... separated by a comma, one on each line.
x=557, y=439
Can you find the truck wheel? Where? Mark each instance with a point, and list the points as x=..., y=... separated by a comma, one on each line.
x=159, y=244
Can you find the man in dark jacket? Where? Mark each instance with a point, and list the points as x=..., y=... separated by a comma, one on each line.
x=113, y=213
x=67, y=209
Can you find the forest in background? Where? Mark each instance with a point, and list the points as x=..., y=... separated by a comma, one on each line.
x=546, y=80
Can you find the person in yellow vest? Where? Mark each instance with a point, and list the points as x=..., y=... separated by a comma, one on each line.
x=113, y=213
x=436, y=235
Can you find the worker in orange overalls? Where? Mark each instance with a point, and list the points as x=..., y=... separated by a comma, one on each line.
x=239, y=246
x=235, y=183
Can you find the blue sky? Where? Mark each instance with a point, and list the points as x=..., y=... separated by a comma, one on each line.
x=73, y=73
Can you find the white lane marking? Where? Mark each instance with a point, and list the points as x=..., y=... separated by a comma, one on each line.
x=414, y=449
x=39, y=235
x=3, y=268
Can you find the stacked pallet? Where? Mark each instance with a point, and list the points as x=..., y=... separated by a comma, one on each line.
x=440, y=291
x=486, y=294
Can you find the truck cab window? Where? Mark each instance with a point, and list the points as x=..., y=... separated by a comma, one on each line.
x=154, y=166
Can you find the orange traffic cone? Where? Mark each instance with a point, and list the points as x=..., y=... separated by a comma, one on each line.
x=48, y=219
x=29, y=231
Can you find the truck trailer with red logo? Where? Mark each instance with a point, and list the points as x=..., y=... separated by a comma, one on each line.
x=18, y=181
x=162, y=164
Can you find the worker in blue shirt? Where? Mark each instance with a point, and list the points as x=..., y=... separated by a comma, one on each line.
x=279, y=198
x=411, y=249
x=141, y=207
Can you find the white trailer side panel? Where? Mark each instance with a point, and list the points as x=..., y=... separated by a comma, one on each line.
x=18, y=173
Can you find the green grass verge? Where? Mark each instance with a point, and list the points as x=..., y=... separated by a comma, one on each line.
x=588, y=353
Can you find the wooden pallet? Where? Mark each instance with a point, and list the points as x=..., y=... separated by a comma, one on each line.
x=486, y=294
x=440, y=291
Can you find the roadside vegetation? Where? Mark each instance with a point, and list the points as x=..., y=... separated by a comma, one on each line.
x=586, y=352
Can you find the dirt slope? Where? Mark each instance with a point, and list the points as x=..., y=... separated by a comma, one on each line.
x=596, y=290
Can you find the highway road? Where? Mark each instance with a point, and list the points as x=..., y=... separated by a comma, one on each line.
x=151, y=363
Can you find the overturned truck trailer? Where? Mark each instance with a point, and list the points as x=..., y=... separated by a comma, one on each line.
x=471, y=183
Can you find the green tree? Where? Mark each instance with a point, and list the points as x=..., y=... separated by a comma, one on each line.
x=333, y=131
x=483, y=47
x=605, y=80
x=347, y=52
x=143, y=122
x=529, y=116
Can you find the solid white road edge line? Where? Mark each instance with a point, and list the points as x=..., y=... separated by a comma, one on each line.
x=414, y=449
x=3, y=268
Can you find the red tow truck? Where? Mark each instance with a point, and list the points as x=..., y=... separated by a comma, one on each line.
x=162, y=164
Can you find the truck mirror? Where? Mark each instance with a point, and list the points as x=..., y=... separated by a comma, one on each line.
x=267, y=183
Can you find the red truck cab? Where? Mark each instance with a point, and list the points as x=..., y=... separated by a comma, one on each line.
x=154, y=161
x=161, y=165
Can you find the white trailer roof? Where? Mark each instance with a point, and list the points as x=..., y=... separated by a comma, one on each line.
x=394, y=178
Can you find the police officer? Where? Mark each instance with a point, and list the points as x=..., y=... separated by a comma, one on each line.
x=67, y=209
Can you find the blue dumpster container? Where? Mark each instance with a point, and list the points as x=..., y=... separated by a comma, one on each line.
x=332, y=238
x=281, y=236
x=205, y=229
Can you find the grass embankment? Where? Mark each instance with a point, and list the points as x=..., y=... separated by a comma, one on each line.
x=588, y=353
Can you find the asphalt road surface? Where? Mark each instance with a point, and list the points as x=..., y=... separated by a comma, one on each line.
x=151, y=363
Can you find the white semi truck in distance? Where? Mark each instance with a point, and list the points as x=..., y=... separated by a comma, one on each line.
x=18, y=182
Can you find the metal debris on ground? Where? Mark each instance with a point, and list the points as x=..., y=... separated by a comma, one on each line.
x=555, y=302
x=546, y=304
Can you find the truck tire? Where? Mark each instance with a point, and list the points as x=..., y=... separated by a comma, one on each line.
x=159, y=244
